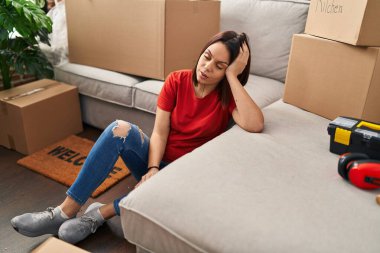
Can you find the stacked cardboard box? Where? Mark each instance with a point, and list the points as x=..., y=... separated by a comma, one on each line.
x=148, y=38
x=338, y=72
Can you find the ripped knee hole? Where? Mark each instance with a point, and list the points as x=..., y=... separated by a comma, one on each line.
x=122, y=128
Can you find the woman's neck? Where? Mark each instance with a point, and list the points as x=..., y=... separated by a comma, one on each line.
x=202, y=90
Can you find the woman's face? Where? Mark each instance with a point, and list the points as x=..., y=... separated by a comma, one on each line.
x=212, y=64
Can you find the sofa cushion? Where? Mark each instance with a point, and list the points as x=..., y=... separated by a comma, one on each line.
x=98, y=83
x=146, y=94
x=276, y=191
x=270, y=25
x=264, y=91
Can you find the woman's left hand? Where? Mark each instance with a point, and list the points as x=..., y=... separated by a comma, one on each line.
x=238, y=65
x=151, y=172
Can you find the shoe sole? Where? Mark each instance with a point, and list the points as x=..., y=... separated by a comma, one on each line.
x=27, y=233
x=24, y=232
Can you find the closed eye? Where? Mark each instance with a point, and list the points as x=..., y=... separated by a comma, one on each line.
x=219, y=67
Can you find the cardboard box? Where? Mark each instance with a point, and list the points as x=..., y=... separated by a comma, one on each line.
x=354, y=22
x=38, y=114
x=334, y=79
x=55, y=245
x=149, y=38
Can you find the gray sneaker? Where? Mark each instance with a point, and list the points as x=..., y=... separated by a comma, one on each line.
x=75, y=230
x=36, y=224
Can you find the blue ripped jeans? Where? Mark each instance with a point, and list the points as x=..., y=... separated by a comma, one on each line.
x=133, y=149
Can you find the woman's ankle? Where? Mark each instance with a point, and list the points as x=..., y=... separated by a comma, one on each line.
x=107, y=211
x=69, y=207
x=69, y=212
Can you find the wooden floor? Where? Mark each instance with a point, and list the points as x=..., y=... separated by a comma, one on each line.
x=22, y=190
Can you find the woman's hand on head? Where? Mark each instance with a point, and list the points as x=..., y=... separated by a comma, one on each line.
x=149, y=174
x=238, y=65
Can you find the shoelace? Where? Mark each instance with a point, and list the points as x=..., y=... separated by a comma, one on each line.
x=51, y=212
x=92, y=221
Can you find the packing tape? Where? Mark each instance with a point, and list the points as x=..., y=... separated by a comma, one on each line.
x=28, y=93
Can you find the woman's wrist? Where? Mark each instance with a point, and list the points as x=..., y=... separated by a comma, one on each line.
x=230, y=75
x=233, y=80
x=154, y=166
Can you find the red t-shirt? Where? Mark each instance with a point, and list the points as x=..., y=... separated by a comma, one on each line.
x=194, y=121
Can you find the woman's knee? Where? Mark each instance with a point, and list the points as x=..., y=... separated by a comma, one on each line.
x=121, y=128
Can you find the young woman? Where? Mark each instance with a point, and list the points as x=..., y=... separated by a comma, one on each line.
x=194, y=106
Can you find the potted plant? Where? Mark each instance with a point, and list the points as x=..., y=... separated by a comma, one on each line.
x=22, y=25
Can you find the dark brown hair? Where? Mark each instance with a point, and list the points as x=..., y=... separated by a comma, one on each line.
x=233, y=42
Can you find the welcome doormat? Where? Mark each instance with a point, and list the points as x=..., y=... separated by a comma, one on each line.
x=63, y=160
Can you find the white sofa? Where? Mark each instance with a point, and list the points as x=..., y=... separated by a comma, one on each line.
x=276, y=191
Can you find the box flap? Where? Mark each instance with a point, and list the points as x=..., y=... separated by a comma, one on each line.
x=15, y=91
x=27, y=94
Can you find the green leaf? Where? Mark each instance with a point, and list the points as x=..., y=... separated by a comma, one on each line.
x=22, y=53
x=43, y=34
x=40, y=3
x=19, y=67
x=28, y=14
x=34, y=62
x=18, y=44
x=18, y=7
x=3, y=34
x=3, y=16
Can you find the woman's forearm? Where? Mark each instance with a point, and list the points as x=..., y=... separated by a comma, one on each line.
x=157, y=147
x=250, y=115
x=159, y=137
